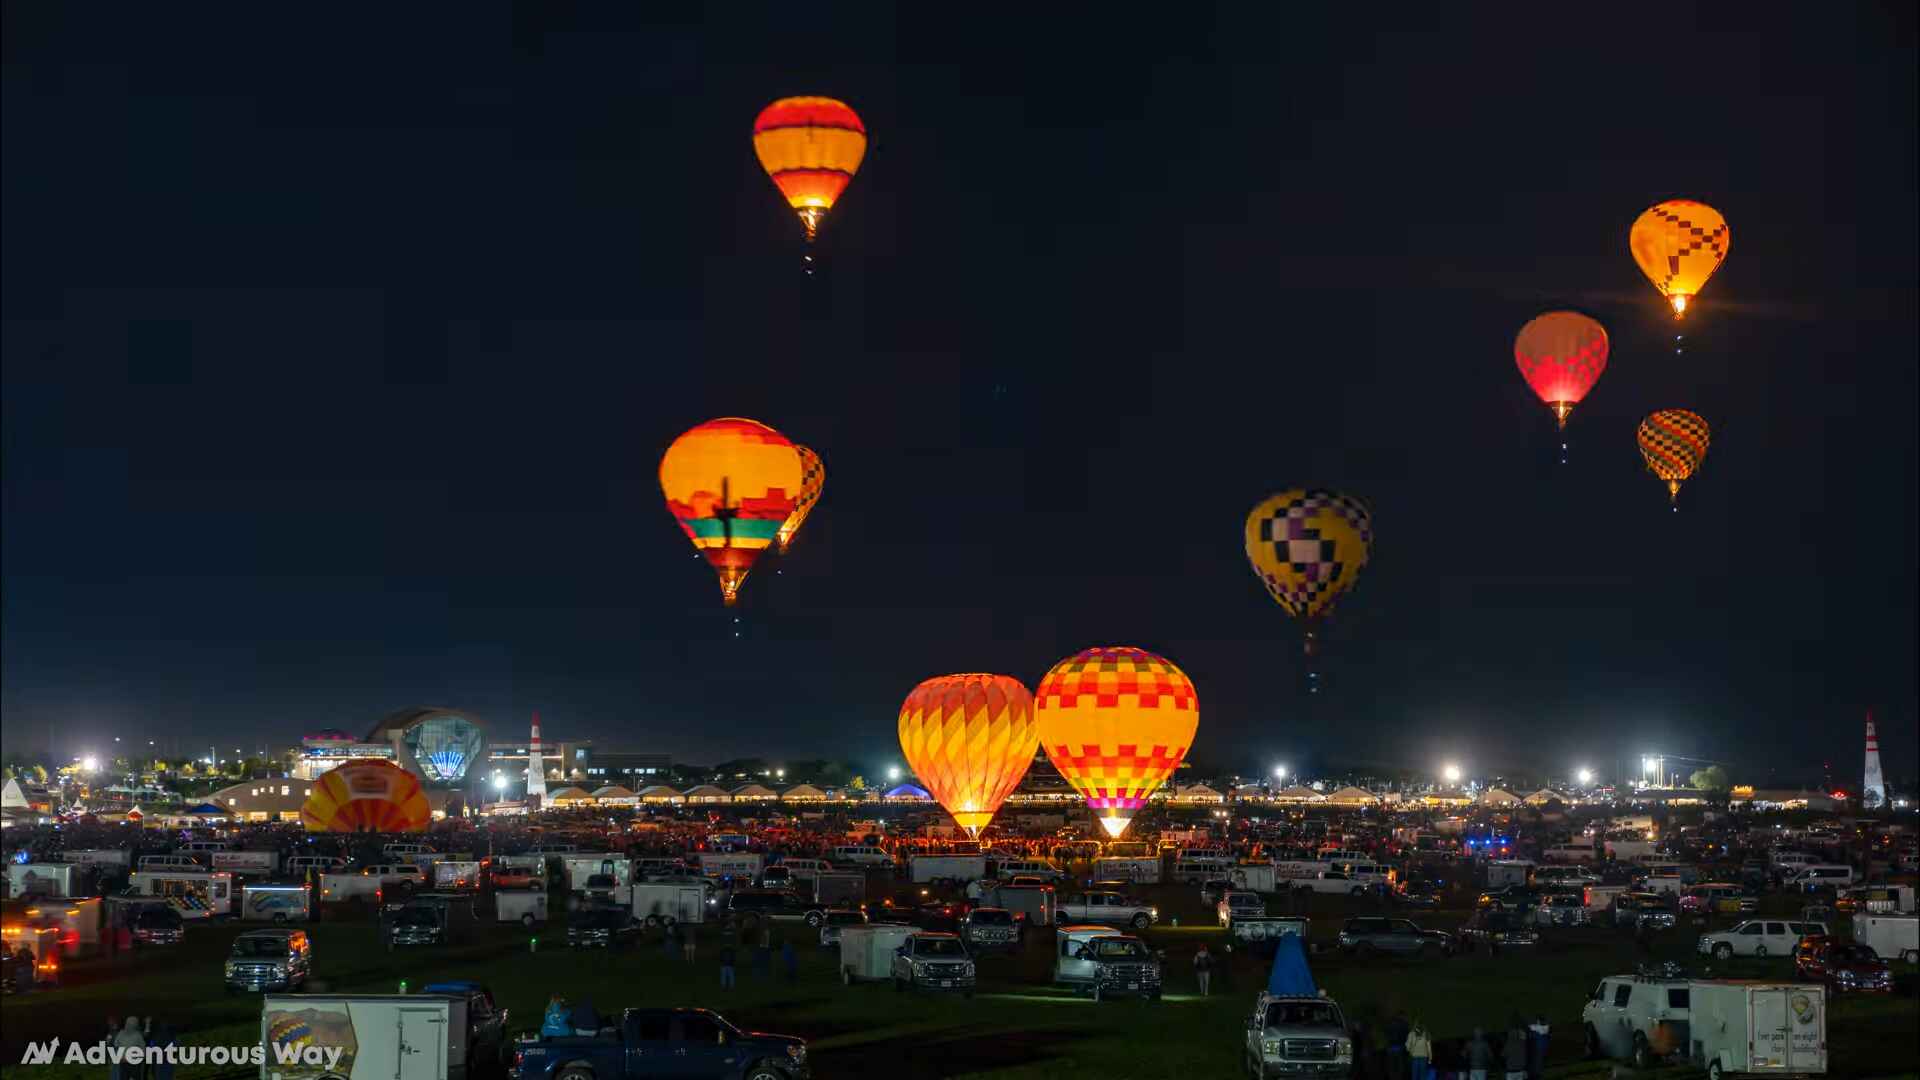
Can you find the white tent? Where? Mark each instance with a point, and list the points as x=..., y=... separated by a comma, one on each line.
x=660, y=793
x=753, y=793
x=615, y=795
x=1494, y=796
x=1353, y=796
x=1197, y=793
x=707, y=793
x=574, y=796
x=803, y=793
x=1298, y=794
x=1545, y=796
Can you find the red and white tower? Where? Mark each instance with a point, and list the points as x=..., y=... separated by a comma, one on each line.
x=536, y=770
x=1873, y=786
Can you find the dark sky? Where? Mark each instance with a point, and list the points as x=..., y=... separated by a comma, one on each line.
x=340, y=352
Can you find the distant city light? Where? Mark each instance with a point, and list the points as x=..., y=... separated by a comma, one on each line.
x=893, y=772
x=499, y=782
x=90, y=763
x=1452, y=773
x=1279, y=772
x=1586, y=777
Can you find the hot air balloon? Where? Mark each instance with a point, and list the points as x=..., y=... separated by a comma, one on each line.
x=1679, y=244
x=1561, y=355
x=1116, y=722
x=367, y=795
x=813, y=480
x=969, y=738
x=1674, y=442
x=1307, y=547
x=811, y=147
x=730, y=483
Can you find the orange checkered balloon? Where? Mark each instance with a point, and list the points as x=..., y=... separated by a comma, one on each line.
x=969, y=740
x=1116, y=722
x=1678, y=245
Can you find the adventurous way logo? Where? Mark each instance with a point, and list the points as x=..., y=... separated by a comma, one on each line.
x=310, y=1056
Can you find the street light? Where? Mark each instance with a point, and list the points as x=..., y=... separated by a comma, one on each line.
x=893, y=772
x=1586, y=777
x=1279, y=772
x=1452, y=773
x=90, y=763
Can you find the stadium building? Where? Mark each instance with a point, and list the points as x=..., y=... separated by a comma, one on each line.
x=440, y=746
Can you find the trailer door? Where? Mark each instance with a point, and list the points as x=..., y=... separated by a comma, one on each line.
x=1806, y=1009
x=423, y=1044
x=1767, y=1029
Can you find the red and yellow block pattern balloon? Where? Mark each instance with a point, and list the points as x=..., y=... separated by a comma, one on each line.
x=810, y=147
x=1679, y=244
x=1561, y=355
x=1116, y=722
x=366, y=796
x=1674, y=443
x=731, y=483
x=813, y=481
x=969, y=739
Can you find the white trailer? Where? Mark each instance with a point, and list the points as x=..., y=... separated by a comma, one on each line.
x=97, y=857
x=1504, y=872
x=581, y=867
x=455, y=875
x=925, y=869
x=370, y=1037
x=1756, y=1028
x=1136, y=869
x=528, y=907
x=276, y=903
x=866, y=952
x=265, y=863
x=742, y=865
x=195, y=894
x=46, y=879
x=1894, y=937
x=351, y=885
x=1256, y=877
x=665, y=903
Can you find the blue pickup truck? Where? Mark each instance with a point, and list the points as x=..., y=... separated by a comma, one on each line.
x=696, y=1044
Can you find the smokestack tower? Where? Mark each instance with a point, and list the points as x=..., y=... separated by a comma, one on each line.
x=537, y=771
x=1873, y=786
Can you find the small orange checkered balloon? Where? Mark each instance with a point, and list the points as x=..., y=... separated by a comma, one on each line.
x=1116, y=721
x=969, y=740
x=1678, y=245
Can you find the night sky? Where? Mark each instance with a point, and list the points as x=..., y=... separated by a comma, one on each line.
x=340, y=353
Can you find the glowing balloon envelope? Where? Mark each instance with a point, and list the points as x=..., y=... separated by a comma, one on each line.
x=1679, y=244
x=810, y=147
x=1308, y=547
x=1561, y=355
x=813, y=480
x=1674, y=443
x=369, y=795
x=1116, y=722
x=969, y=739
x=730, y=483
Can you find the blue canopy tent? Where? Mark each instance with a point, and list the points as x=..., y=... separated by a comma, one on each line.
x=1290, y=976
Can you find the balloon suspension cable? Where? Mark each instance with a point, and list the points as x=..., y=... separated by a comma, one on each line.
x=1562, y=410
x=1673, y=495
x=1679, y=344
x=1310, y=646
x=811, y=217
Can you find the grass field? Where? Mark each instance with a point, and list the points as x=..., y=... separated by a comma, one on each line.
x=1016, y=1026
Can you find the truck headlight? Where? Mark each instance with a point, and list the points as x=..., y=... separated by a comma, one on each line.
x=919, y=967
x=967, y=968
x=1269, y=1046
x=1342, y=1048
x=230, y=968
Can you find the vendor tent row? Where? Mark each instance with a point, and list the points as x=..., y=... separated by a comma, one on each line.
x=1193, y=794
x=615, y=795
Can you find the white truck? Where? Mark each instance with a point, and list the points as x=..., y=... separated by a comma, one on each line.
x=1107, y=908
x=1637, y=1018
x=946, y=869
x=46, y=879
x=660, y=903
x=275, y=903
x=1333, y=882
x=740, y=865
x=1756, y=1028
x=528, y=907
x=1894, y=937
x=425, y=1036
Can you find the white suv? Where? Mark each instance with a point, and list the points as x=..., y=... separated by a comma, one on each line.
x=1758, y=937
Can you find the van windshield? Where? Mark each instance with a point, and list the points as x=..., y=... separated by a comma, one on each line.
x=260, y=947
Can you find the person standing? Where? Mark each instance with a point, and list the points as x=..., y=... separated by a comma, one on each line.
x=1479, y=1056
x=687, y=945
x=1419, y=1051
x=127, y=1037
x=1514, y=1054
x=1203, y=970
x=159, y=1038
x=668, y=942
x=1538, y=1034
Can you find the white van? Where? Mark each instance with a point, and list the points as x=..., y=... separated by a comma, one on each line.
x=1820, y=875
x=326, y=864
x=170, y=862
x=860, y=855
x=1196, y=865
x=1568, y=853
x=1366, y=873
x=208, y=846
x=806, y=869
x=404, y=850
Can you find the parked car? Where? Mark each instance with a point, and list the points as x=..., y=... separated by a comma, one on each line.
x=1522, y=898
x=269, y=960
x=1297, y=1036
x=157, y=924
x=1103, y=962
x=1372, y=933
x=1495, y=929
x=1562, y=909
x=1711, y=898
x=1844, y=967
x=775, y=905
x=834, y=919
x=601, y=928
x=990, y=928
x=1108, y=906
x=1758, y=937
x=934, y=961
x=1655, y=910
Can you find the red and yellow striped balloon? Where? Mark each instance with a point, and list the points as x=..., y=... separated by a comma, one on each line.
x=369, y=795
x=969, y=739
x=1674, y=443
x=1116, y=722
x=811, y=147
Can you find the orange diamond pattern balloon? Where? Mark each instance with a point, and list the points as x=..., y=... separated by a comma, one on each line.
x=969, y=739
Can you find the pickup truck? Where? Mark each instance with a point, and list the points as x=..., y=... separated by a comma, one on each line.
x=1240, y=905
x=934, y=961
x=1335, y=882
x=693, y=1043
x=1108, y=908
x=1297, y=1035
